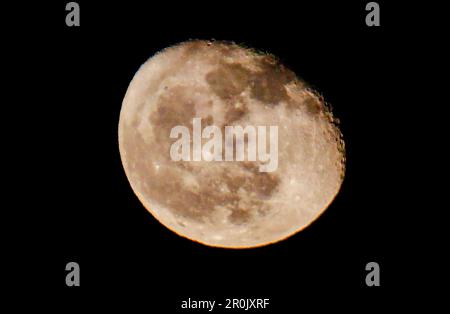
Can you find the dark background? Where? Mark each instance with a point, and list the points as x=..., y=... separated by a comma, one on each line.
x=78, y=205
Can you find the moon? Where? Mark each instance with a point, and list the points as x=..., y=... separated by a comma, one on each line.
x=229, y=204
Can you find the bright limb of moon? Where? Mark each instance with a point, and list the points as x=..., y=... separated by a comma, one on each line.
x=223, y=203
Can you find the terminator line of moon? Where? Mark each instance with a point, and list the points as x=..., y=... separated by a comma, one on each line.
x=229, y=204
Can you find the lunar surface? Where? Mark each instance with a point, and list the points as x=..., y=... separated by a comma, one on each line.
x=229, y=203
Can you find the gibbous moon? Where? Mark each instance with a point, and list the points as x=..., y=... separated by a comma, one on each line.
x=230, y=204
